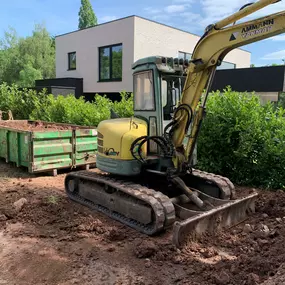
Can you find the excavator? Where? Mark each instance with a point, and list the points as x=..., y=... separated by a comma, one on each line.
x=146, y=177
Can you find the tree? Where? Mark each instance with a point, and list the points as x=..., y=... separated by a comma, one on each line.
x=87, y=17
x=24, y=60
x=9, y=56
x=28, y=75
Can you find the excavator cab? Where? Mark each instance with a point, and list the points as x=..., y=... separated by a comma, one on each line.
x=158, y=83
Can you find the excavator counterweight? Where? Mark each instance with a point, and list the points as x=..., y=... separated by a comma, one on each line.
x=146, y=177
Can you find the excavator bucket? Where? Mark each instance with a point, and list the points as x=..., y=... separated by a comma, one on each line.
x=224, y=214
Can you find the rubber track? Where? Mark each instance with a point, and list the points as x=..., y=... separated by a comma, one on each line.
x=163, y=209
x=226, y=186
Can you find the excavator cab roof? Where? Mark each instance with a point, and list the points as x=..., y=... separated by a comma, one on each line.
x=167, y=65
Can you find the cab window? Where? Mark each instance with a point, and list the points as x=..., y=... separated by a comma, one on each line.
x=164, y=92
x=143, y=91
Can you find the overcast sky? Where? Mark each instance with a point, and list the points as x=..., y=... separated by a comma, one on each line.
x=61, y=16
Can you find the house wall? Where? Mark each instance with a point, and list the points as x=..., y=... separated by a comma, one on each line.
x=139, y=37
x=267, y=96
x=86, y=43
x=157, y=39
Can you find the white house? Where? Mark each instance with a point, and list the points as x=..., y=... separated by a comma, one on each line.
x=103, y=55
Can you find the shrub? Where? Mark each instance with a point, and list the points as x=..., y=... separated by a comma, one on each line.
x=20, y=102
x=243, y=140
x=28, y=104
x=125, y=107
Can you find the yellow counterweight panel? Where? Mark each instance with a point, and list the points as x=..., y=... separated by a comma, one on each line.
x=116, y=136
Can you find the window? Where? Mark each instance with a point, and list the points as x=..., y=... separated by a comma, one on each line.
x=226, y=65
x=71, y=60
x=184, y=55
x=143, y=91
x=110, y=63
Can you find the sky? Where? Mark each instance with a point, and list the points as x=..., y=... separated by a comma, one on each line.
x=61, y=16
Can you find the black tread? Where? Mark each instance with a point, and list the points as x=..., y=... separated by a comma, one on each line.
x=161, y=205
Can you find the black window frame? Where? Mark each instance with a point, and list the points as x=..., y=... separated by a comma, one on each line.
x=68, y=55
x=111, y=79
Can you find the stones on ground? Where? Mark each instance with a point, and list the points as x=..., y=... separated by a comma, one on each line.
x=111, y=248
x=3, y=218
x=262, y=241
x=253, y=279
x=178, y=278
x=222, y=278
x=191, y=271
x=265, y=230
x=209, y=252
x=75, y=281
x=264, y=215
x=145, y=249
x=247, y=228
x=116, y=235
x=42, y=253
x=19, y=204
x=147, y=263
x=274, y=233
x=279, y=220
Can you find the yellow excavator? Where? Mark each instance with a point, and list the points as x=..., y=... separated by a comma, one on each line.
x=146, y=177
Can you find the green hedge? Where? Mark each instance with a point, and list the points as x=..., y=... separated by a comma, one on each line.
x=243, y=140
x=27, y=104
x=240, y=138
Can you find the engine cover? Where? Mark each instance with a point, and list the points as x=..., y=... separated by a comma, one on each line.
x=115, y=137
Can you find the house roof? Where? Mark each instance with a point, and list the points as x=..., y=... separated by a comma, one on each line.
x=133, y=16
x=127, y=17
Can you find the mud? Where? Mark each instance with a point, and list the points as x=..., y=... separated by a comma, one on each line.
x=24, y=125
x=52, y=240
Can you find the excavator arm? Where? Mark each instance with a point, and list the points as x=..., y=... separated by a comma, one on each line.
x=219, y=39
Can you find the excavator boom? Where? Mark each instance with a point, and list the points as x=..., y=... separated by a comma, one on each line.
x=209, y=52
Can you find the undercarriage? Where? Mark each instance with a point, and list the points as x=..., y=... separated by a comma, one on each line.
x=140, y=204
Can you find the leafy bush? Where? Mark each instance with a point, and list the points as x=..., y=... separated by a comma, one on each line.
x=125, y=107
x=20, y=102
x=27, y=104
x=243, y=140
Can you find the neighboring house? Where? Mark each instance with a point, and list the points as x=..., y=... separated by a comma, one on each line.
x=103, y=55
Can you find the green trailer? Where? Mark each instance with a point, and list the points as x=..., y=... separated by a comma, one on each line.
x=46, y=147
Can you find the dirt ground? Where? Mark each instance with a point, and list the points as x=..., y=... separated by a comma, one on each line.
x=25, y=125
x=50, y=240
